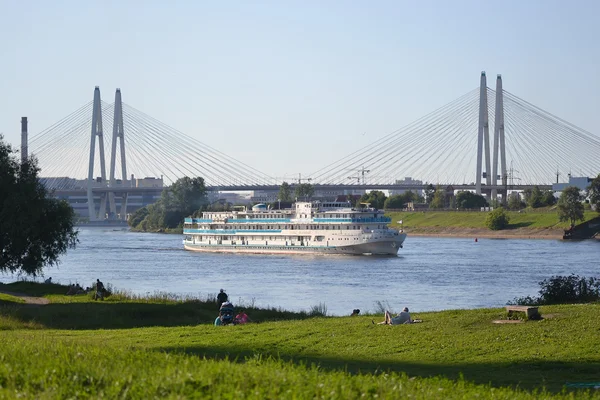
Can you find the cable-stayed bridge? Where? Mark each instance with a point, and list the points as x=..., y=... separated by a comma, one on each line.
x=488, y=140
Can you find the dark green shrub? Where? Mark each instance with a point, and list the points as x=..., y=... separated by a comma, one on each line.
x=569, y=289
x=497, y=219
x=563, y=290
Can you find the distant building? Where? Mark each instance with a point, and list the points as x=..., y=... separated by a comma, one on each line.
x=233, y=197
x=264, y=196
x=149, y=182
x=408, y=181
x=580, y=182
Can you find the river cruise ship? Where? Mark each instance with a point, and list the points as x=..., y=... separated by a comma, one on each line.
x=307, y=227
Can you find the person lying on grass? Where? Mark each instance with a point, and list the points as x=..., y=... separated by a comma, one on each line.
x=402, y=318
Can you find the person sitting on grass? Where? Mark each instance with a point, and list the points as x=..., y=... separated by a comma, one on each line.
x=79, y=289
x=225, y=314
x=72, y=290
x=242, y=318
x=402, y=318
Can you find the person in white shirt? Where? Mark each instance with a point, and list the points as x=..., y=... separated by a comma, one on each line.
x=402, y=318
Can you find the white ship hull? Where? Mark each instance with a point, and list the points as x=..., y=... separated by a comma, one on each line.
x=378, y=247
x=308, y=228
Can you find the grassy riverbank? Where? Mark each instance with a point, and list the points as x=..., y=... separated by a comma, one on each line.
x=541, y=223
x=157, y=347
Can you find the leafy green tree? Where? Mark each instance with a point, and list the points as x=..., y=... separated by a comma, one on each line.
x=376, y=198
x=429, y=192
x=35, y=229
x=526, y=196
x=548, y=198
x=514, y=201
x=570, y=206
x=285, y=192
x=304, y=190
x=396, y=201
x=469, y=200
x=138, y=216
x=182, y=199
x=185, y=195
x=497, y=220
x=593, y=192
x=536, y=199
x=439, y=199
x=409, y=196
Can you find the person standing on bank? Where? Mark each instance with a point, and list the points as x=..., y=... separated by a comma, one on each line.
x=221, y=298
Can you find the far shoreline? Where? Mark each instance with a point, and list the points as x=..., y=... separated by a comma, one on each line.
x=475, y=233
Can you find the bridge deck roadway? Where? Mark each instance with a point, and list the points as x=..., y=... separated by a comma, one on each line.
x=240, y=188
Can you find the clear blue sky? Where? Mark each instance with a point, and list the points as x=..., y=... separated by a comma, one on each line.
x=315, y=75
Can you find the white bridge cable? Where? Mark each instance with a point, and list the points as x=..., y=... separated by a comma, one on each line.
x=211, y=159
x=540, y=142
x=350, y=161
x=431, y=133
x=66, y=120
x=153, y=135
x=411, y=160
x=62, y=150
x=532, y=143
x=169, y=149
x=446, y=135
x=419, y=135
x=143, y=148
x=394, y=153
x=585, y=148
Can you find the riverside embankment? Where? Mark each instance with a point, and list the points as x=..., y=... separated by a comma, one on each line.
x=156, y=347
x=525, y=224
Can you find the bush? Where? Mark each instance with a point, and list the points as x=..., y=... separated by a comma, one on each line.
x=497, y=219
x=319, y=310
x=564, y=290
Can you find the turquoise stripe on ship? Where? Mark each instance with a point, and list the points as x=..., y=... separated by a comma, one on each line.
x=258, y=220
x=238, y=221
x=196, y=220
x=353, y=220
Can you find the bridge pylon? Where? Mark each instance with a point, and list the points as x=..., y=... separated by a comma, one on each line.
x=499, y=142
x=483, y=136
x=96, y=132
x=118, y=136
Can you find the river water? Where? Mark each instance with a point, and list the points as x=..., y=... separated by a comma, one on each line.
x=428, y=274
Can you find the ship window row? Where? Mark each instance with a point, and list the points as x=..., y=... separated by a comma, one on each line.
x=290, y=227
x=266, y=229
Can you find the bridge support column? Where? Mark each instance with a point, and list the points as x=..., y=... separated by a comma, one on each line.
x=96, y=131
x=118, y=134
x=483, y=136
x=499, y=142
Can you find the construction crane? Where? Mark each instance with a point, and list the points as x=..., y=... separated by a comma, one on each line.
x=300, y=178
x=360, y=175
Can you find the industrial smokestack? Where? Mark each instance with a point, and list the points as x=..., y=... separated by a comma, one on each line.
x=24, y=150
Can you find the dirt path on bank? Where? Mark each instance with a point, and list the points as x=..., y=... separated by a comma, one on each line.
x=39, y=301
x=519, y=233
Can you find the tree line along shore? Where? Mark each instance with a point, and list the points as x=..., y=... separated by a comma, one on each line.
x=157, y=346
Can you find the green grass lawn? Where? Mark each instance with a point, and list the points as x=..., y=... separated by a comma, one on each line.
x=541, y=218
x=159, y=348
